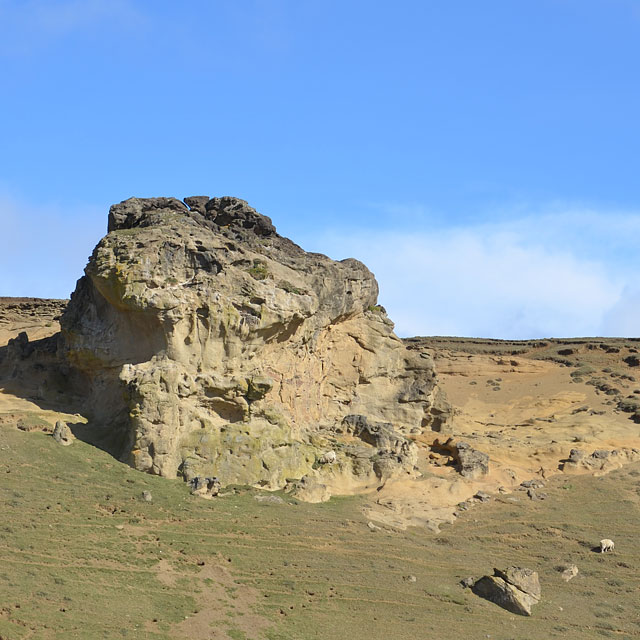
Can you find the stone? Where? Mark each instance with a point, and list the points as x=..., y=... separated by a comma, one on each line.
x=515, y=589
x=534, y=483
x=310, y=489
x=391, y=451
x=269, y=499
x=569, y=572
x=632, y=361
x=199, y=364
x=146, y=496
x=62, y=434
x=482, y=496
x=576, y=455
x=470, y=462
x=524, y=579
x=205, y=487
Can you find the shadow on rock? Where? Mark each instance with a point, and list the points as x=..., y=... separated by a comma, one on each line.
x=32, y=371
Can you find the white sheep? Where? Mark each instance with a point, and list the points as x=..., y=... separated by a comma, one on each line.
x=606, y=545
x=328, y=458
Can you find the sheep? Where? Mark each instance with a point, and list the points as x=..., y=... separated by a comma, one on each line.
x=606, y=545
x=328, y=458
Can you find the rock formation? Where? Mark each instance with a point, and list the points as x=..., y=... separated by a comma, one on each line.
x=212, y=346
x=569, y=572
x=62, y=434
x=468, y=461
x=515, y=589
x=600, y=461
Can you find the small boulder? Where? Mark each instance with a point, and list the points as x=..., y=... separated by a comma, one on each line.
x=472, y=463
x=62, y=434
x=205, y=487
x=268, y=499
x=515, y=589
x=309, y=489
x=146, y=496
x=632, y=361
x=569, y=572
x=534, y=483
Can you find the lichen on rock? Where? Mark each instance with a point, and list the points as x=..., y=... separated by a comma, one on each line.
x=212, y=346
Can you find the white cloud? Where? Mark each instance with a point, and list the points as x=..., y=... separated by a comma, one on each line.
x=44, y=248
x=561, y=274
x=623, y=318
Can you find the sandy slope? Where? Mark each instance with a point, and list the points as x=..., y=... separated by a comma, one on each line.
x=526, y=411
x=37, y=317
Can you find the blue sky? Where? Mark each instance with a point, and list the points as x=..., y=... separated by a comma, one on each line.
x=480, y=157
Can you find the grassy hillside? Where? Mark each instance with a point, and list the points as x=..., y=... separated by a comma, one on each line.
x=83, y=555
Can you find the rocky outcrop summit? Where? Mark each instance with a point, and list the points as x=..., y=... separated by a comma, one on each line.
x=211, y=346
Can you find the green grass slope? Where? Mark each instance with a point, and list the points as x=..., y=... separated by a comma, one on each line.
x=83, y=555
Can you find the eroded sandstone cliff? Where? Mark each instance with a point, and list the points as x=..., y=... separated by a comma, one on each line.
x=213, y=346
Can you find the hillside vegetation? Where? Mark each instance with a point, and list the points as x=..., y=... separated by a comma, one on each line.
x=83, y=555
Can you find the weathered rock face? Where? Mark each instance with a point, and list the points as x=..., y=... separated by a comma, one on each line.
x=215, y=347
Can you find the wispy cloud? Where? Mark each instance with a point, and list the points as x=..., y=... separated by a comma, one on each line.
x=31, y=25
x=623, y=318
x=560, y=273
x=571, y=273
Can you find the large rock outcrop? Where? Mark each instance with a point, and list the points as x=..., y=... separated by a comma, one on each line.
x=212, y=346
